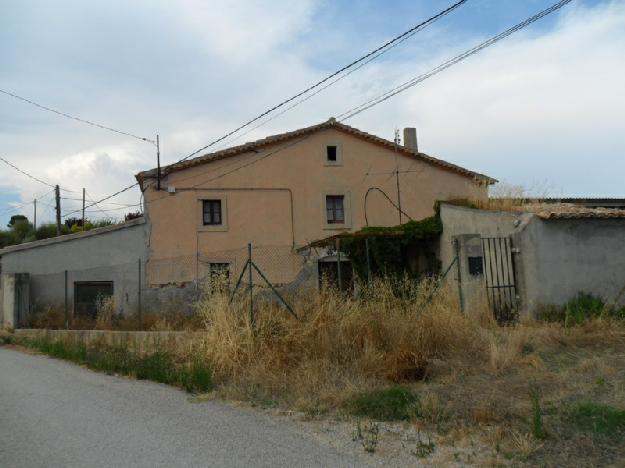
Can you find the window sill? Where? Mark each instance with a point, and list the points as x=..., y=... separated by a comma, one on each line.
x=212, y=228
x=336, y=227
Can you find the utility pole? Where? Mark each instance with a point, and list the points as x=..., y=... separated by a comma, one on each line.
x=57, y=195
x=35, y=214
x=158, y=163
x=397, y=142
x=83, y=209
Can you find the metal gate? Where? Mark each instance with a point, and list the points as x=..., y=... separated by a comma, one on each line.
x=499, y=276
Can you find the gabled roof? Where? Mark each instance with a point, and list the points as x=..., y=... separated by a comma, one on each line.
x=302, y=132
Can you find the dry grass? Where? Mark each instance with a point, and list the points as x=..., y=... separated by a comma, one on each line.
x=473, y=380
x=468, y=374
x=337, y=345
x=105, y=310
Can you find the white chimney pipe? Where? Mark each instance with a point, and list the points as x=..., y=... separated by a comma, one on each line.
x=410, y=139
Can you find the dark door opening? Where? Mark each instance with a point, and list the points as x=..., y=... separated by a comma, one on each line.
x=328, y=275
x=87, y=294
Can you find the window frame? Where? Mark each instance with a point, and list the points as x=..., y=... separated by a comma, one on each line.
x=347, y=212
x=208, y=196
x=338, y=152
x=334, y=209
x=212, y=203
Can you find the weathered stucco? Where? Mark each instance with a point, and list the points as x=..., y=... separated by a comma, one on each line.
x=105, y=254
x=554, y=259
x=276, y=197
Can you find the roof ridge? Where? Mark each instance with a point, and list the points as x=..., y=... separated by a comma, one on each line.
x=276, y=138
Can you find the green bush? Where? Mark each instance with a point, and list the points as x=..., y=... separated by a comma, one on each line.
x=580, y=309
x=382, y=405
x=193, y=375
x=599, y=419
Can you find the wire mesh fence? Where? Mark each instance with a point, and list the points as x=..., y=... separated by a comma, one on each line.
x=153, y=286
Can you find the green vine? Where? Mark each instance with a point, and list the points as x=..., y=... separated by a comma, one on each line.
x=391, y=246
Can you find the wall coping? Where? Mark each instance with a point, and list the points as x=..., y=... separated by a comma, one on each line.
x=71, y=237
x=137, y=333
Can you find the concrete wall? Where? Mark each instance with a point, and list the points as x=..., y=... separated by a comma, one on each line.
x=459, y=220
x=276, y=197
x=105, y=254
x=554, y=260
x=562, y=257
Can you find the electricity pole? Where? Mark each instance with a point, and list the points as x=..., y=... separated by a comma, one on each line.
x=35, y=214
x=83, y=209
x=158, y=164
x=57, y=195
x=397, y=141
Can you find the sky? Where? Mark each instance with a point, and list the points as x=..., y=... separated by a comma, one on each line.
x=544, y=109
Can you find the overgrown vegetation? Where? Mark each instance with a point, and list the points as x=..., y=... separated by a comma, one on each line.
x=388, y=404
x=537, y=393
x=582, y=308
x=391, y=248
x=21, y=230
x=53, y=318
x=190, y=373
x=599, y=419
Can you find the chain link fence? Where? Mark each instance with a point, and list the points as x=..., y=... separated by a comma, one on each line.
x=156, y=286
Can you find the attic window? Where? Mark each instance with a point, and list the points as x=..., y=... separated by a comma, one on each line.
x=331, y=153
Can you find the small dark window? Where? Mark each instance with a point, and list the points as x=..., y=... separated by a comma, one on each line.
x=219, y=276
x=88, y=295
x=219, y=270
x=335, y=214
x=476, y=266
x=211, y=210
x=331, y=153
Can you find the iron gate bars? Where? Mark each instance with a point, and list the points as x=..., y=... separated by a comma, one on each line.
x=500, y=279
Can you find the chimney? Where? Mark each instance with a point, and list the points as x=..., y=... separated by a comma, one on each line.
x=410, y=139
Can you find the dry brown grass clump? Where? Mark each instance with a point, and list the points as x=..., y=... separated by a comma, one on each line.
x=338, y=344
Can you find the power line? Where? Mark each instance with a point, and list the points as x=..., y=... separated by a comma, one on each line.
x=414, y=81
x=25, y=173
x=113, y=209
x=22, y=205
x=374, y=55
x=386, y=45
x=103, y=199
x=107, y=203
x=365, y=58
x=63, y=114
x=373, y=102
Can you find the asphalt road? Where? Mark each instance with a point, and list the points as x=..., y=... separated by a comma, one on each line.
x=56, y=414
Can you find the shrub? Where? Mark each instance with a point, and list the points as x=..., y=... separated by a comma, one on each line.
x=192, y=374
x=582, y=308
x=537, y=415
x=382, y=405
x=599, y=419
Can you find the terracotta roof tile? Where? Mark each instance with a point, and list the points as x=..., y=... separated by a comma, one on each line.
x=331, y=123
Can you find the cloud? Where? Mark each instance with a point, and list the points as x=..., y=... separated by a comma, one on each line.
x=543, y=107
x=535, y=110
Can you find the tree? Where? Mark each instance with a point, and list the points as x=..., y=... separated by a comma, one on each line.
x=16, y=219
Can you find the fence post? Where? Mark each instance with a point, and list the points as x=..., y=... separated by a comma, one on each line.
x=139, y=310
x=368, y=261
x=249, y=265
x=338, y=263
x=66, y=304
x=459, y=267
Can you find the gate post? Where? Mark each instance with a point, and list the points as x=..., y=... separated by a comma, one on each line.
x=459, y=274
